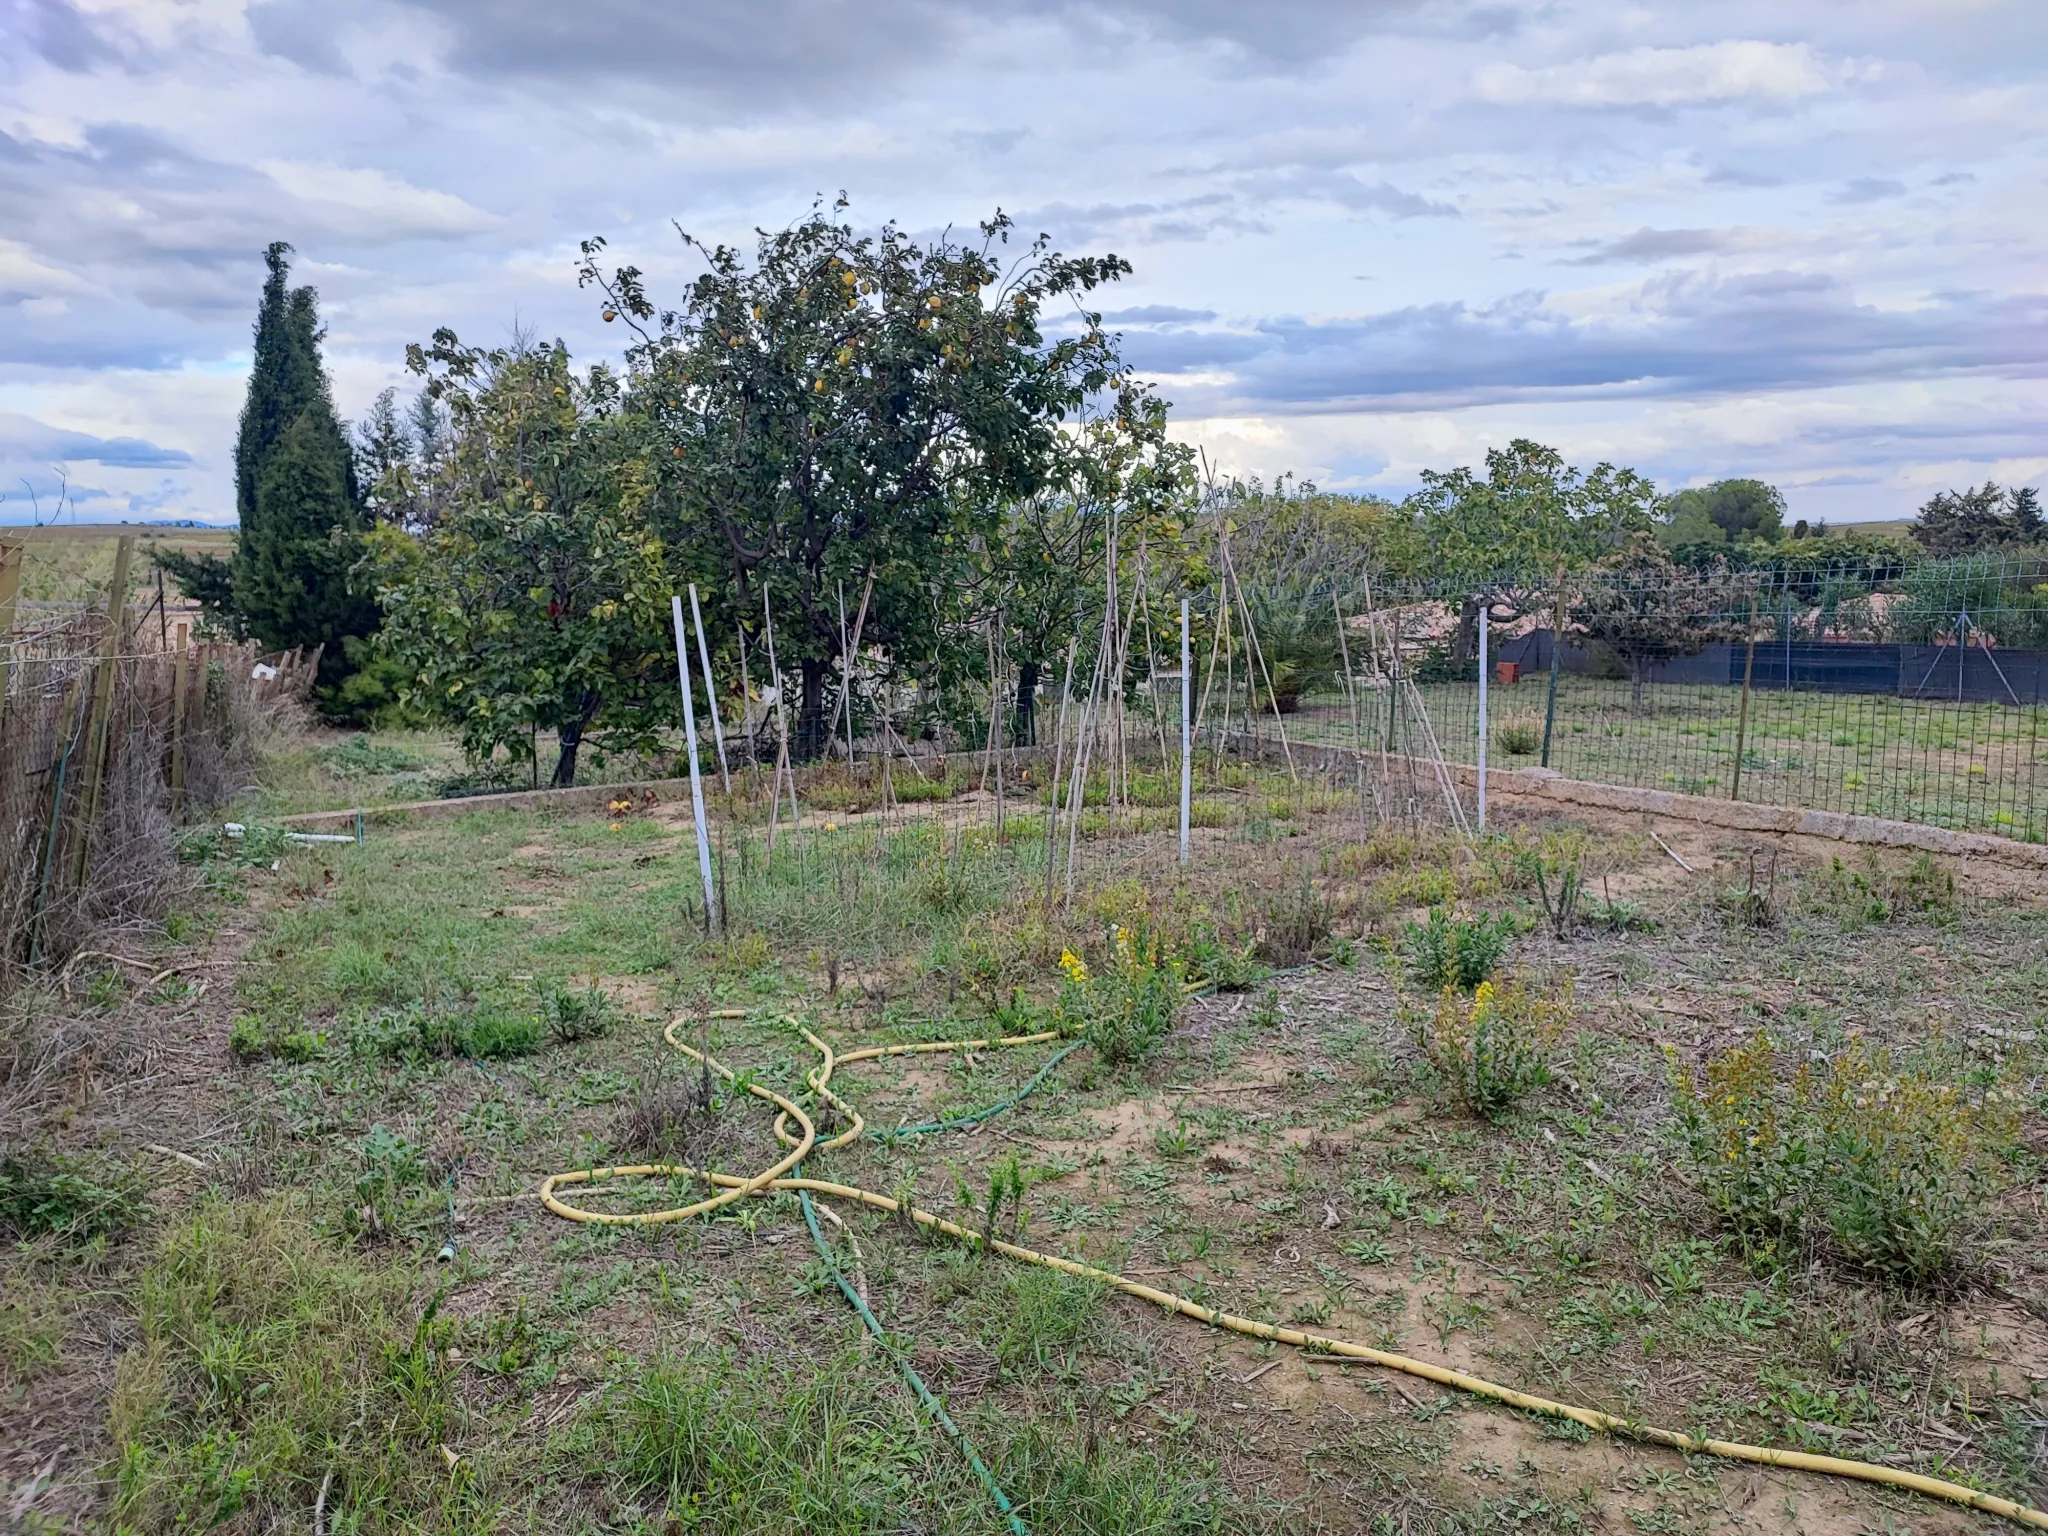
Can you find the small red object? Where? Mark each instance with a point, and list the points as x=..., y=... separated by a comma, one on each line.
x=1507, y=673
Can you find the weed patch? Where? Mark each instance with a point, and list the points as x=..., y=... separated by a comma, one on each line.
x=1456, y=952
x=1494, y=1048
x=1892, y=1166
x=269, y=1360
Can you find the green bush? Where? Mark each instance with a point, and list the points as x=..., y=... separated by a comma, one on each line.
x=1126, y=1010
x=390, y=1173
x=1458, y=952
x=1494, y=1048
x=1519, y=738
x=576, y=1013
x=1893, y=1167
x=1878, y=893
x=495, y=1035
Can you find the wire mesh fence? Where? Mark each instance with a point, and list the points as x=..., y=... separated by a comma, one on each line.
x=1914, y=695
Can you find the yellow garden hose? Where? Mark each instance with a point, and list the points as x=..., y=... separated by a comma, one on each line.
x=776, y=1178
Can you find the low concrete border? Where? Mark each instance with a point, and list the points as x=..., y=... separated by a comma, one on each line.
x=581, y=797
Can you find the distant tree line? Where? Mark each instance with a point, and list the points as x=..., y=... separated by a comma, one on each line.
x=935, y=447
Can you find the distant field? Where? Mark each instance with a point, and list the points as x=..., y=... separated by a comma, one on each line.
x=74, y=564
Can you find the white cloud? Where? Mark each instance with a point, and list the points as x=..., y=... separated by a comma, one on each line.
x=1671, y=77
x=369, y=203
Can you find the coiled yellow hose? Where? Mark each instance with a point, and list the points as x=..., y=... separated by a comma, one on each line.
x=732, y=1187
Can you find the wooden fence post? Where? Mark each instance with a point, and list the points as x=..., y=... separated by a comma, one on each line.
x=12, y=557
x=178, y=680
x=102, y=699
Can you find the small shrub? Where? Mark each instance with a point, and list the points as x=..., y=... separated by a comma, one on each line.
x=492, y=1034
x=1494, y=1048
x=1891, y=1167
x=257, y=1036
x=57, y=1194
x=1879, y=894
x=580, y=1013
x=390, y=1170
x=1519, y=738
x=1125, y=1011
x=1455, y=952
x=662, y=1115
x=1750, y=904
x=1292, y=925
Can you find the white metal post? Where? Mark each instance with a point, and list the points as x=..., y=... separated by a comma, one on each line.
x=710, y=693
x=1187, y=741
x=1482, y=717
x=696, y=781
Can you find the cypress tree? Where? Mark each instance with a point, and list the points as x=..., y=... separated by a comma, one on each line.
x=296, y=498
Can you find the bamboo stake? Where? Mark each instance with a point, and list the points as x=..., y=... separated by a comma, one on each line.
x=12, y=558
x=846, y=663
x=747, y=708
x=782, y=766
x=1254, y=653
x=1187, y=740
x=1059, y=744
x=1151, y=654
x=995, y=732
x=1077, y=796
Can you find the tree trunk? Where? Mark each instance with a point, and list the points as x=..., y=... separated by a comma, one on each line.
x=565, y=765
x=1465, y=643
x=811, y=722
x=1639, y=673
x=571, y=737
x=1025, y=733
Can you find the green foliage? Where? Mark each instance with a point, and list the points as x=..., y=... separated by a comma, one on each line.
x=256, y=1036
x=1726, y=513
x=358, y=757
x=389, y=1171
x=1977, y=519
x=268, y=1360
x=73, y=1196
x=1494, y=1048
x=1531, y=514
x=2004, y=597
x=1458, y=952
x=1127, y=1009
x=1298, y=642
x=1650, y=609
x=539, y=599
x=846, y=404
x=576, y=1013
x=1879, y=893
x=1519, y=738
x=292, y=579
x=1894, y=1166
x=419, y=1032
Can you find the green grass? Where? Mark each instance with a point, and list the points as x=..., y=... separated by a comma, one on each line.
x=1975, y=766
x=1285, y=1154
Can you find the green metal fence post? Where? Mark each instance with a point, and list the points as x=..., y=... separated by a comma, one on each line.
x=1742, y=716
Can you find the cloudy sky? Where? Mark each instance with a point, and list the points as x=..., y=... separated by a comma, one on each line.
x=1371, y=236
